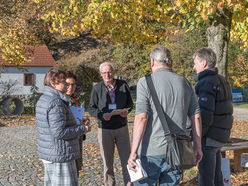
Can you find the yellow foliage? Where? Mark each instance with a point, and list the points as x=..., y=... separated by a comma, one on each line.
x=139, y=21
x=239, y=71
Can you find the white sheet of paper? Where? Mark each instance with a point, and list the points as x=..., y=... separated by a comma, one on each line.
x=78, y=113
x=139, y=174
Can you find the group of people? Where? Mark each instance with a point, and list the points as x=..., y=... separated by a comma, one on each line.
x=208, y=106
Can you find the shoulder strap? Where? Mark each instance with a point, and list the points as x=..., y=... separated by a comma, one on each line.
x=161, y=113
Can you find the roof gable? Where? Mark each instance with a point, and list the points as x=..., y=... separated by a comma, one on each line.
x=40, y=57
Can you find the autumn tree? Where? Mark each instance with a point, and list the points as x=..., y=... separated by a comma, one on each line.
x=226, y=19
x=147, y=22
x=20, y=26
x=132, y=61
x=238, y=66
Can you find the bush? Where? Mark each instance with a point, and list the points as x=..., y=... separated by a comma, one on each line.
x=28, y=110
x=32, y=100
x=86, y=76
x=132, y=62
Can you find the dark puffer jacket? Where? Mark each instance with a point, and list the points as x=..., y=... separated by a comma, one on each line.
x=58, y=132
x=215, y=100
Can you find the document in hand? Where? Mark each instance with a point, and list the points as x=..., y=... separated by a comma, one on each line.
x=139, y=174
x=78, y=113
x=118, y=111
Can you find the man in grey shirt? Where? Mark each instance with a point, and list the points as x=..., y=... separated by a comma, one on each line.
x=178, y=100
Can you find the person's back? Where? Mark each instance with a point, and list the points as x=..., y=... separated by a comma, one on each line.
x=177, y=98
x=175, y=94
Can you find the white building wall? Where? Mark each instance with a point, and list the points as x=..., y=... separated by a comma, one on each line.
x=13, y=74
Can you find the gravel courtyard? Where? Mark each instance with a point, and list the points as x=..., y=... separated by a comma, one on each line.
x=19, y=164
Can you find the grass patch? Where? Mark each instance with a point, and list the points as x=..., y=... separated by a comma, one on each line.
x=190, y=177
x=191, y=173
x=132, y=113
x=242, y=106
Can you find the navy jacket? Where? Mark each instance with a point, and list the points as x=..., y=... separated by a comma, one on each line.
x=58, y=132
x=215, y=101
x=100, y=100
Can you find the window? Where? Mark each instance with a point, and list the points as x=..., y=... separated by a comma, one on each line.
x=28, y=79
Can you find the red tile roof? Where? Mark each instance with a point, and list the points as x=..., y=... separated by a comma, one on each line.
x=40, y=57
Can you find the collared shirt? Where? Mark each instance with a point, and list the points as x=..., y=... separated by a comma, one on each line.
x=111, y=91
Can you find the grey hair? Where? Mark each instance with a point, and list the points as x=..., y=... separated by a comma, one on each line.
x=106, y=64
x=162, y=55
x=206, y=54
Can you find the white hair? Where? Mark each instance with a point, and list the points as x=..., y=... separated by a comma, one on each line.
x=161, y=55
x=106, y=64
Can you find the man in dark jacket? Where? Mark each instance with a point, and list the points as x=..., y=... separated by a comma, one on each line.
x=108, y=95
x=215, y=101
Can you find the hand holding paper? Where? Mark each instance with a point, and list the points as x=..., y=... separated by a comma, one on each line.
x=87, y=127
x=119, y=111
x=107, y=116
x=139, y=174
x=124, y=113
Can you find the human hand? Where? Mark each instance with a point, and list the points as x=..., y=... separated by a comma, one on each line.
x=132, y=162
x=107, y=116
x=86, y=123
x=198, y=154
x=124, y=114
x=87, y=128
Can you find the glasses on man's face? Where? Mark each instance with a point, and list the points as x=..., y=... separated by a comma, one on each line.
x=104, y=73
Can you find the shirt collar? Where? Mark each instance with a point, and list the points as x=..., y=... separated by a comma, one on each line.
x=164, y=69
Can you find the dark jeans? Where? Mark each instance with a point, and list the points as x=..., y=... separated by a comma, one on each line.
x=210, y=166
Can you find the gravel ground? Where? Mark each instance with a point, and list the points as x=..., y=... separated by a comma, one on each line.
x=240, y=114
x=19, y=164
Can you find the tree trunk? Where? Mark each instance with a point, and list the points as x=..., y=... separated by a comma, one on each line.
x=218, y=34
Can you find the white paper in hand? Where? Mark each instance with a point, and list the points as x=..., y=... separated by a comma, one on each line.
x=139, y=174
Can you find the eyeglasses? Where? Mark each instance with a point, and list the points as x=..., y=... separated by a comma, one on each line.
x=71, y=84
x=104, y=73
